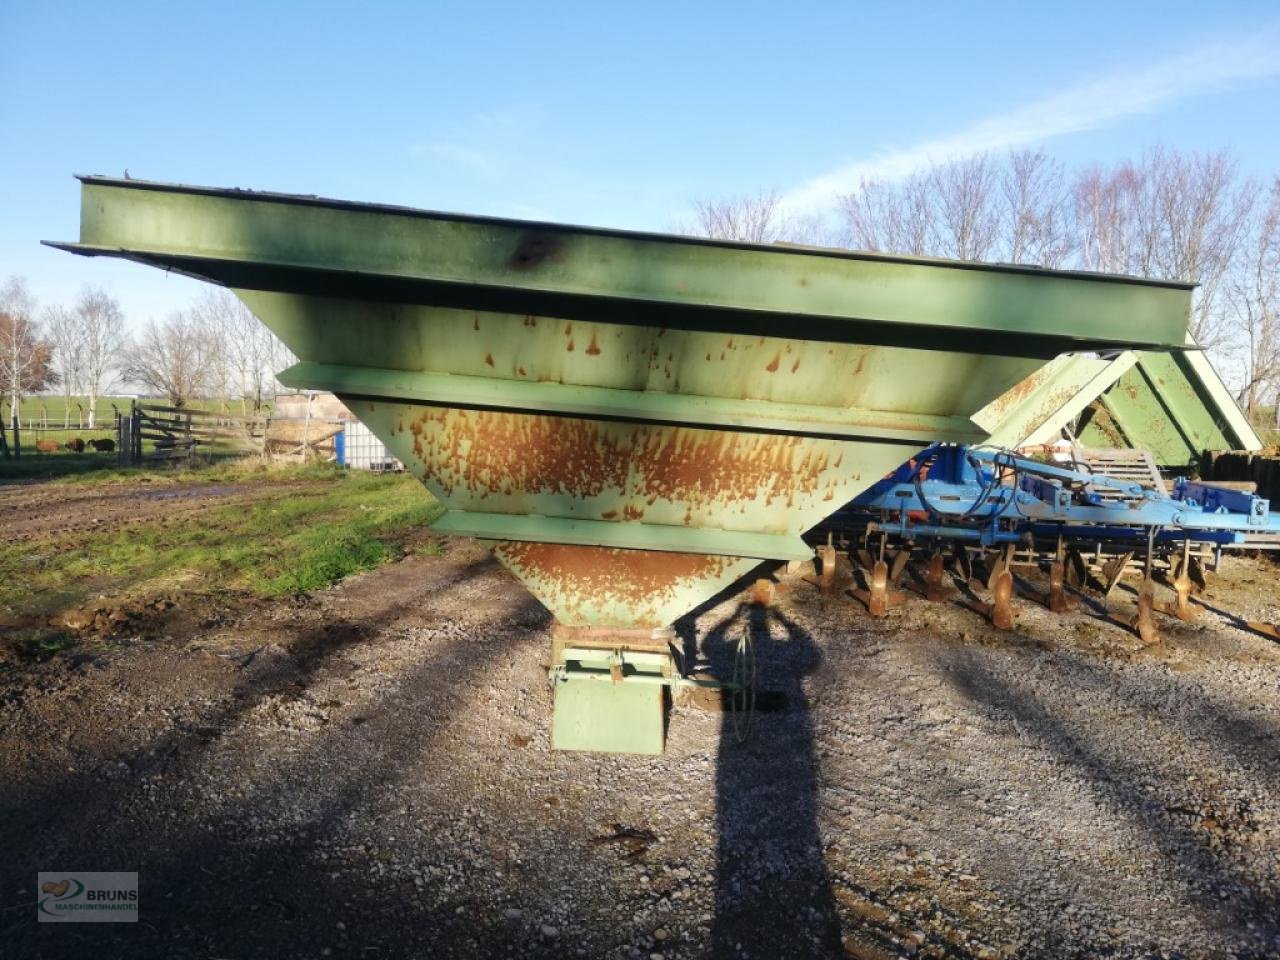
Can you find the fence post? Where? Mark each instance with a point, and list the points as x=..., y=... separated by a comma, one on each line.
x=306, y=426
x=135, y=432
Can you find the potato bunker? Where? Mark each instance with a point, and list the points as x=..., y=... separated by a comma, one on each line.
x=635, y=420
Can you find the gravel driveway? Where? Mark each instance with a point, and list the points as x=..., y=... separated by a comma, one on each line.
x=366, y=773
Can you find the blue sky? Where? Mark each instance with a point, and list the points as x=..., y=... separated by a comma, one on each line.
x=597, y=113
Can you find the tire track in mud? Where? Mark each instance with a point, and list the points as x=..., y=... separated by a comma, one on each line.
x=39, y=515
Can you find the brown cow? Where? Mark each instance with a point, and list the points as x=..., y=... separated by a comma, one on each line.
x=47, y=446
x=76, y=445
x=105, y=445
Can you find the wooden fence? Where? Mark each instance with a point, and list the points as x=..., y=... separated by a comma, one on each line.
x=182, y=432
x=155, y=432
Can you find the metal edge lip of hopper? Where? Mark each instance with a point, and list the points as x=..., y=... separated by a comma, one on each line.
x=302, y=199
x=393, y=288
x=492, y=264
x=664, y=538
x=630, y=405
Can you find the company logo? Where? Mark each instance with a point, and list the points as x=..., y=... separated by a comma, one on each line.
x=87, y=897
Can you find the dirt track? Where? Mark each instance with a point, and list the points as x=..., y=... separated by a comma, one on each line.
x=40, y=510
x=366, y=773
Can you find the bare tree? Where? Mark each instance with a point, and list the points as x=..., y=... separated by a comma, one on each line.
x=68, y=355
x=172, y=358
x=26, y=358
x=892, y=218
x=100, y=337
x=1036, y=226
x=1104, y=216
x=750, y=219
x=760, y=218
x=247, y=349
x=1198, y=210
x=967, y=221
x=948, y=210
x=1172, y=216
x=1253, y=292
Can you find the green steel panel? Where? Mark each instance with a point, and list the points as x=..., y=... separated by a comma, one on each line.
x=304, y=244
x=633, y=536
x=595, y=402
x=608, y=717
x=1235, y=425
x=1036, y=410
x=1173, y=404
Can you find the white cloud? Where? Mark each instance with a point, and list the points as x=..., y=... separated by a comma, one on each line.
x=469, y=158
x=1086, y=106
x=481, y=142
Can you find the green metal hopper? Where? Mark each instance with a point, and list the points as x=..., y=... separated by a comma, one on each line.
x=635, y=419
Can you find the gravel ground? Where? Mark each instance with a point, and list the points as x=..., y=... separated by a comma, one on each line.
x=366, y=773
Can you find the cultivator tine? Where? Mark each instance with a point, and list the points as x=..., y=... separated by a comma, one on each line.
x=1002, y=601
x=1003, y=561
x=1077, y=570
x=1145, y=623
x=762, y=592
x=1182, y=584
x=1000, y=610
x=935, y=589
x=827, y=578
x=963, y=563
x=1057, y=601
x=899, y=565
x=1267, y=629
x=1113, y=570
x=878, y=599
x=865, y=560
x=1199, y=580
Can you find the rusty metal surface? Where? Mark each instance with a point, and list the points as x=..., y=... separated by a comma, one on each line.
x=586, y=586
x=527, y=464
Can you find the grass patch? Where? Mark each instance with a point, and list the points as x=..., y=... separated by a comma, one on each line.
x=326, y=524
x=432, y=548
x=40, y=643
x=44, y=466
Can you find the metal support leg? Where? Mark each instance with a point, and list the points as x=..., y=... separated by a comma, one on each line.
x=1058, y=602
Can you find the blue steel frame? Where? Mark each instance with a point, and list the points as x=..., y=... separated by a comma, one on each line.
x=957, y=492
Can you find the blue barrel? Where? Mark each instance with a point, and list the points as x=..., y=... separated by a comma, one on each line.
x=340, y=447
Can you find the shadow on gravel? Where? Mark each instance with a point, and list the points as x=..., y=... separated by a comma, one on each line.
x=773, y=893
x=209, y=894
x=1219, y=890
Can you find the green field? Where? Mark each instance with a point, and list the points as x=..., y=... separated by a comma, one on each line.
x=55, y=409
